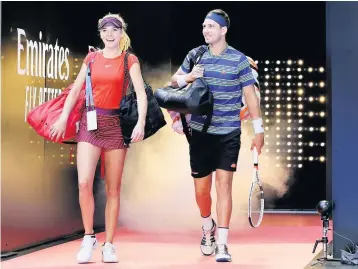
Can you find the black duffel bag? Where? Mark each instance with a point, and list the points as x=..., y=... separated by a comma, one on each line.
x=194, y=98
x=129, y=109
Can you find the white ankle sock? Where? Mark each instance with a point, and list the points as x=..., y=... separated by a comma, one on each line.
x=207, y=222
x=222, y=235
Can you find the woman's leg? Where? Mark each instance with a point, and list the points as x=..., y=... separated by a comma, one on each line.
x=87, y=159
x=114, y=162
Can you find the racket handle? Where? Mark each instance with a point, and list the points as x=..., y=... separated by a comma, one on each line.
x=256, y=156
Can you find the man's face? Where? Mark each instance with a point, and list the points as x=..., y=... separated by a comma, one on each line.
x=212, y=31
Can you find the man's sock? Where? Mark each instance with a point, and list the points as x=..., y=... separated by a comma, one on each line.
x=207, y=222
x=222, y=235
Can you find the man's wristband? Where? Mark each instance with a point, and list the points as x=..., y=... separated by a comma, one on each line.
x=181, y=81
x=258, y=126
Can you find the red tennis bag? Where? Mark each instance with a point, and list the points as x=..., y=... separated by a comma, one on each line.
x=42, y=117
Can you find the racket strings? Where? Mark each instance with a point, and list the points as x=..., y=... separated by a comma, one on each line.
x=256, y=200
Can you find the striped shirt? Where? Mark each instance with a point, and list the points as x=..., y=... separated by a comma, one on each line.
x=226, y=75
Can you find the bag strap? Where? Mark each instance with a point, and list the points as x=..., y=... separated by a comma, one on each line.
x=185, y=127
x=89, y=89
x=127, y=79
x=207, y=122
x=197, y=56
x=126, y=75
x=209, y=116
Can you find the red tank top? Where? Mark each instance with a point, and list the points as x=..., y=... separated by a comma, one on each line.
x=107, y=76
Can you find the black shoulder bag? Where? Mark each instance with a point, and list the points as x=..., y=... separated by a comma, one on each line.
x=194, y=98
x=128, y=111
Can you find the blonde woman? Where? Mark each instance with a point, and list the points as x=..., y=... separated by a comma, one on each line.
x=107, y=76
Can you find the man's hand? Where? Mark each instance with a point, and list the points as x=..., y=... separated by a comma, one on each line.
x=258, y=142
x=178, y=127
x=197, y=72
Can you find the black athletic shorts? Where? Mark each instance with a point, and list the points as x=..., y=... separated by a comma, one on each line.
x=209, y=152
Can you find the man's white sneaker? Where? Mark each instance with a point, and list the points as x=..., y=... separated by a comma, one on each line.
x=89, y=243
x=222, y=254
x=207, y=244
x=109, y=253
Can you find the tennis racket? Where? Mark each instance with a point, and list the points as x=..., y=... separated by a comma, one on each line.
x=256, y=196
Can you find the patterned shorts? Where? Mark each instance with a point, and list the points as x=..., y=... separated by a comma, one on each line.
x=108, y=134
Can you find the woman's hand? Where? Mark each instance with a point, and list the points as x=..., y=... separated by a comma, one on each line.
x=58, y=129
x=138, y=132
x=138, y=83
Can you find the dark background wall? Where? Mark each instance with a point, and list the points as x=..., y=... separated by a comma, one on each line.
x=342, y=51
x=39, y=180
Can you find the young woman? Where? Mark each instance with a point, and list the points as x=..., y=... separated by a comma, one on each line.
x=107, y=76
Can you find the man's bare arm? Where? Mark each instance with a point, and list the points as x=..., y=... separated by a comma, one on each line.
x=180, y=78
x=253, y=105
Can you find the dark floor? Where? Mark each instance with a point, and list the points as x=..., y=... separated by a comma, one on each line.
x=335, y=265
x=328, y=264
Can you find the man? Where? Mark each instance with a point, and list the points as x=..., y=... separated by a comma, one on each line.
x=229, y=76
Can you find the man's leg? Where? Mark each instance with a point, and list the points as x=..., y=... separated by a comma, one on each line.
x=201, y=170
x=203, y=200
x=229, y=147
x=223, y=185
x=224, y=201
x=202, y=195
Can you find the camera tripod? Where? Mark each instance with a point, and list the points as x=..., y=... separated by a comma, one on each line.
x=324, y=241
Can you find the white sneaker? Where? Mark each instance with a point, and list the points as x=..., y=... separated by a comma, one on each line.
x=89, y=243
x=222, y=254
x=109, y=253
x=208, y=242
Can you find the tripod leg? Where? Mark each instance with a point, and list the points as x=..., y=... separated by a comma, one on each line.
x=315, y=245
x=319, y=261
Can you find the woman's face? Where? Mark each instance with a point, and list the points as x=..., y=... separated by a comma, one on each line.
x=111, y=35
